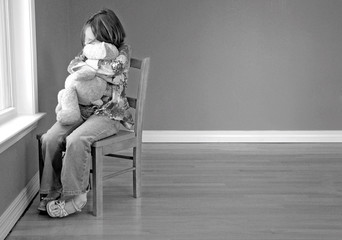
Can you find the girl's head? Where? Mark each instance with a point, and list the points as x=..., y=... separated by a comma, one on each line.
x=106, y=27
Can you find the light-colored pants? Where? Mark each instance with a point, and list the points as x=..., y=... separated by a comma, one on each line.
x=69, y=174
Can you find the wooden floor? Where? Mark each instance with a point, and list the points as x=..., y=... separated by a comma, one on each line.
x=211, y=192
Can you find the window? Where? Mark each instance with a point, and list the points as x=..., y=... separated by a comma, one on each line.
x=6, y=94
x=18, y=74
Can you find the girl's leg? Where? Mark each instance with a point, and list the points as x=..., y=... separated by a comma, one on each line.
x=53, y=144
x=77, y=158
x=76, y=164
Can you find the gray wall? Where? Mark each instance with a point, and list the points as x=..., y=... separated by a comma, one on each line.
x=52, y=29
x=234, y=64
x=18, y=166
x=215, y=65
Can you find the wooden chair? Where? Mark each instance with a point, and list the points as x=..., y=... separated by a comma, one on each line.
x=124, y=139
x=120, y=141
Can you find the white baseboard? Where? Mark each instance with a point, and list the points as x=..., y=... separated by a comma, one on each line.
x=241, y=136
x=12, y=214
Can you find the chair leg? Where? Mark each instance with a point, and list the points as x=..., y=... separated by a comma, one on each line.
x=41, y=162
x=97, y=162
x=137, y=171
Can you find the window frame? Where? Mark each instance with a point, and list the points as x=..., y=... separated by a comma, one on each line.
x=9, y=112
x=23, y=117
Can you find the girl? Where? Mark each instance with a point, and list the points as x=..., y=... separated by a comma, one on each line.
x=65, y=178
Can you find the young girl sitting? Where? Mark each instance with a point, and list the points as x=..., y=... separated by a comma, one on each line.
x=65, y=178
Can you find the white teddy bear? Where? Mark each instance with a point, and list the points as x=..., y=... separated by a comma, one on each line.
x=83, y=86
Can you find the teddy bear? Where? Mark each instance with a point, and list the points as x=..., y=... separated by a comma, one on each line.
x=84, y=86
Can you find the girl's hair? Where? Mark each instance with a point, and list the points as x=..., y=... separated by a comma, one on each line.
x=106, y=27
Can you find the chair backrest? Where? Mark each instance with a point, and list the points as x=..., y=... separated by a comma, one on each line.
x=138, y=103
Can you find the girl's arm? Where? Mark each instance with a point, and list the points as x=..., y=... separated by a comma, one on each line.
x=121, y=63
x=118, y=66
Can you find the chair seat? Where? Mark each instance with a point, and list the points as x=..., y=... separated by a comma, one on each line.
x=120, y=136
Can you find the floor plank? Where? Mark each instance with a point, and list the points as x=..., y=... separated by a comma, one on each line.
x=212, y=191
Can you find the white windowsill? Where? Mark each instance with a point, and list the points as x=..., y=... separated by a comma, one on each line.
x=16, y=128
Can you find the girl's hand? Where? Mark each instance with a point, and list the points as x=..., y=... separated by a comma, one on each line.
x=121, y=62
